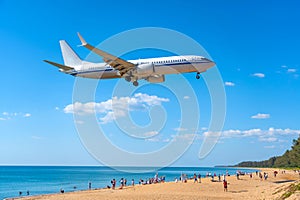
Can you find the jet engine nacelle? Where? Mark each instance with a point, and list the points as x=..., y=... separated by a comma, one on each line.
x=144, y=69
x=156, y=79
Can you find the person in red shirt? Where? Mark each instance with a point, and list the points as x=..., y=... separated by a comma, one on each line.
x=225, y=185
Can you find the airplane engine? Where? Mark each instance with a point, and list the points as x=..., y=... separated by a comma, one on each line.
x=156, y=79
x=144, y=69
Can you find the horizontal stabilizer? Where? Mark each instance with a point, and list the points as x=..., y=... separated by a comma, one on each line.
x=63, y=67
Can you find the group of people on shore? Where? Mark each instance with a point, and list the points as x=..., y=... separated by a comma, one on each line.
x=183, y=178
x=197, y=178
x=21, y=193
x=123, y=181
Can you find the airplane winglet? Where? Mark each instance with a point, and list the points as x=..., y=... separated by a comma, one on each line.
x=82, y=40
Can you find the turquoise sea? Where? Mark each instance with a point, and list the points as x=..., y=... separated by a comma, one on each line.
x=45, y=180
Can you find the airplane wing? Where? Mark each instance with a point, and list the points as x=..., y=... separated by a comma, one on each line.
x=63, y=67
x=117, y=63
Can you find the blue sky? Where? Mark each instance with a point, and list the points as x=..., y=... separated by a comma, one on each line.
x=255, y=45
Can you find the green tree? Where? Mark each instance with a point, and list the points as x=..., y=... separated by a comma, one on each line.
x=291, y=158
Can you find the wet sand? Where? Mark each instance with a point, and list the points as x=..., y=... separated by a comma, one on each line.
x=245, y=188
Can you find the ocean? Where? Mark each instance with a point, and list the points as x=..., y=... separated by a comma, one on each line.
x=46, y=180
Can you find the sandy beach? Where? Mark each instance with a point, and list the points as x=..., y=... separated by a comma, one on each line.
x=245, y=188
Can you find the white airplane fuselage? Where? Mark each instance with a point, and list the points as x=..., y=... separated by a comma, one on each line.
x=161, y=66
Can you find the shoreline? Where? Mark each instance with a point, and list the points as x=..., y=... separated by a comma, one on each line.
x=245, y=187
x=99, y=177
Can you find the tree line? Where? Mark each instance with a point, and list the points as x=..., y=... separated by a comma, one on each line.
x=291, y=158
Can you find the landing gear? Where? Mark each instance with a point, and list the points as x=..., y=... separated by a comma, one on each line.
x=135, y=83
x=128, y=78
x=198, y=75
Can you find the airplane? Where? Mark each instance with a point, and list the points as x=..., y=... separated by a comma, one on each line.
x=152, y=70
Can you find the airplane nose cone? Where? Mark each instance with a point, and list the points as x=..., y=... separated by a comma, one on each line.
x=212, y=63
x=208, y=60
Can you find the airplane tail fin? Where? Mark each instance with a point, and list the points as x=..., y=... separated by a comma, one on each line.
x=69, y=56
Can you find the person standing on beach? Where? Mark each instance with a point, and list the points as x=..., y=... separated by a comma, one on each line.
x=90, y=185
x=225, y=185
x=132, y=182
x=195, y=178
x=260, y=176
x=121, y=183
x=199, y=178
x=113, y=184
x=266, y=176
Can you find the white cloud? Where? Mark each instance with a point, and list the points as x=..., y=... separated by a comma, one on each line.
x=229, y=84
x=282, y=141
x=286, y=131
x=267, y=139
x=154, y=139
x=252, y=132
x=12, y=115
x=111, y=116
x=180, y=129
x=56, y=108
x=151, y=133
x=212, y=134
x=204, y=128
x=5, y=113
x=263, y=135
x=152, y=136
x=167, y=140
x=261, y=116
x=36, y=137
x=2, y=119
x=79, y=122
x=116, y=107
x=267, y=135
x=226, y=133
x=270, y=147
x=259, y=75
x=291, y=70
x=27, y=115
x=187, y=137
x=186, y=97
x=287, y=70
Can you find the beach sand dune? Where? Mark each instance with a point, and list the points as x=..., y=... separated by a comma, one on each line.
x=245, y=188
